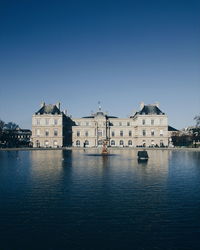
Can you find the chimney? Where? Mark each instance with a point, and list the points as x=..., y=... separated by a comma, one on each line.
x=141, y=105
x=58, y=105
x=42, y=104
x=157, y=104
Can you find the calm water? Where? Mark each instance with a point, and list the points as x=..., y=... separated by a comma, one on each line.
x=58, y=200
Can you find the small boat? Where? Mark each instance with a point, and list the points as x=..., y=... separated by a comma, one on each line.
x=143, y=155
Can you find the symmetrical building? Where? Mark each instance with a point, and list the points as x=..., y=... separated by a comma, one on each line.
x=53, y=128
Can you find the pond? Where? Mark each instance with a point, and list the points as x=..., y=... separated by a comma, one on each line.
x=78, y=199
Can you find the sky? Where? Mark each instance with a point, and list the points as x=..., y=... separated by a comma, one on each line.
x=120, y=53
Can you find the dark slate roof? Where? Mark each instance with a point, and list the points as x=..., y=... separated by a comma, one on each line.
x=49, y=109
x=149, y=110
x=172, y=129
x=100, y=113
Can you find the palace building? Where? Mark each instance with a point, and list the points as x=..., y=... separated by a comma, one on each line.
x=147, y=128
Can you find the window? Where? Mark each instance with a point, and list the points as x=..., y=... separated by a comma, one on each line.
x=143, y=122
x=47, y=133
x=113, y=133
x=78, y=143
x=121, y=133
x=46, y=143
x=152, y=142
x=144, y=132
x=161, y=132
x=55, y=132
x=100, y=142
x=55, y=143
x=87, y=123
x=129, y=142
x=128, y=123
x=78, y=133
x=38, y=121
x=161, y=143
x=99, y=133
x=55, y=121
x=152, y=133
x=38, y=132
x=112, y=143
x=86, y=133
x=120, y=124
x=130, y=133
x=121, y=143
x=152, y=122
x=47, y=121
x=86, y=143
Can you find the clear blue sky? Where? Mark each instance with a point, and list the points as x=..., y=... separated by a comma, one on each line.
x=116, y=52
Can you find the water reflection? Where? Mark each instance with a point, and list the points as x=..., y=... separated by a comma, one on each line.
x=72, y=199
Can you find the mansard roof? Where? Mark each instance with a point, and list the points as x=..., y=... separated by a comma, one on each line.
x=49, y=109
x=149, y=110
x=170, y=128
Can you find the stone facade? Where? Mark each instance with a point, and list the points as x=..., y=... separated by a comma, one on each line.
x=148, y=127
x=51, y=127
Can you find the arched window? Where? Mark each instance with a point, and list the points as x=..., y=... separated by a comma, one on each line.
x=130, y=143
x=55, y=143
x=121, y=143
x=78, y=143
x=86, y=143
x=112, y=143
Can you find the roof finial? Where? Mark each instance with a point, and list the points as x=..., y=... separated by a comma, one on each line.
x=99, y=105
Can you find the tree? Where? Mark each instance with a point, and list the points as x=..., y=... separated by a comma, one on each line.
x=11, y=126
x=197, y=119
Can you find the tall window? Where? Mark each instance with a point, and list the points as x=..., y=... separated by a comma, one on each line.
x=55, y=121
x=121, y=133
x=86, y=142
x=86, y=133
x=120, y=124
x=130, y=133
x=87, y=123
x=161, y=132
x=112, y=143
x=113, y=133
x=55, y=132
x=47, y=121
x=38, y=121
x=78, y=143
x=128, y=123
x=129, y=142
x=152, y=122
x=121, y=143
x=152, y=133
x=38, y=132
x=46, y=132
x=144, y=132
x=99, y=132
x=78, y=133
x=143, y=122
